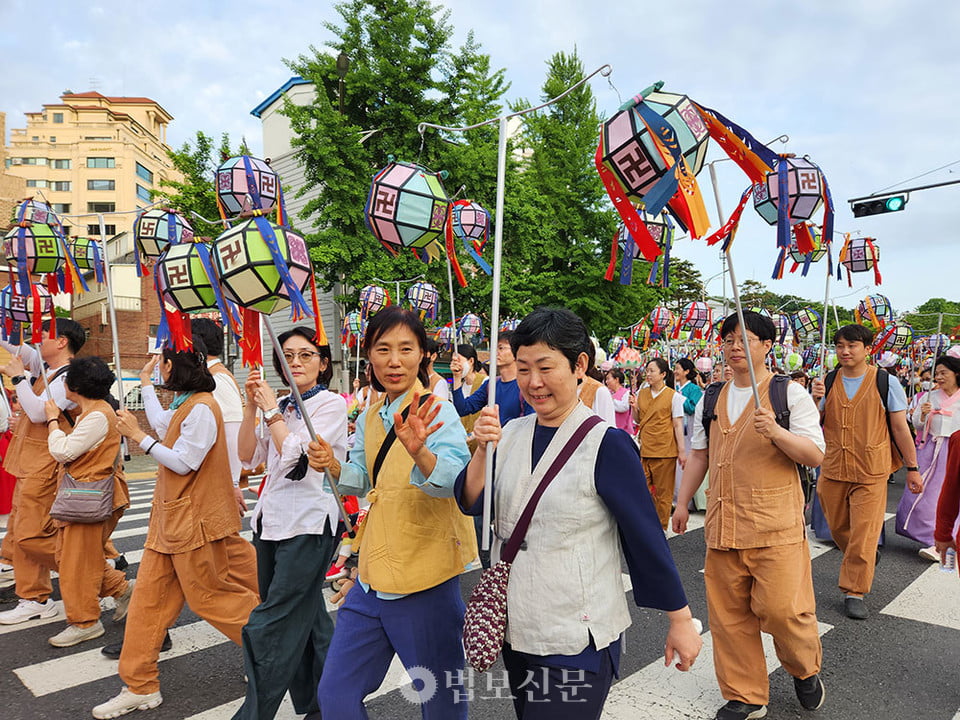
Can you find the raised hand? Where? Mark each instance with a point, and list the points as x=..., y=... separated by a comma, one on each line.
x=51, y=409
x=128, y=426
x=146, y=374
x=419, y=425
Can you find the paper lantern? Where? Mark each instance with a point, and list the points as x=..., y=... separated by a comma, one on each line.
x=628, y=357
x=876, y=308
x=445, y=336
x=24, y=309
x=182, y=280
x=888, y=359
x=831, y=361
x=936, y=344
x=804, y=188
x=509, y=325
x=894, y=337
x=86, y=252
x=406, y=207
x=249, y=273
x=861, y=255
x=804, y=260
x=246, y=183
x=35, y=211
x=661, y=320
x=696, y=316
x=784, y=328
x=471, y=223
x=354, y=323
x=424, y=297
x=34, y=248
x=614, y=345
x=471, y=324
x=806, y=322
x=704, y=364
x=156, y=229
x=373, y=299
x=793, y=361
x=760, y=311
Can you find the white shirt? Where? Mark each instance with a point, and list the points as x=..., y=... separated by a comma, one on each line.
x=804, y=416
x=198, y=433
x=33, y=404
x=88, y=434
x=602, y=405
x=288, y=508
x=227, y=395
x=441, y=389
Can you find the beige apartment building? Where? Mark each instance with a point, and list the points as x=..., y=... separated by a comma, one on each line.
x=90, y=153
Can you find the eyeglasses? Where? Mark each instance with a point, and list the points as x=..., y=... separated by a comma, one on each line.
x=730, y=342
x=304, y=356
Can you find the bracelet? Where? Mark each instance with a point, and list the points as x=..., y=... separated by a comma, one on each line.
x=52, y=420
x=151, y=446
x=274, y=419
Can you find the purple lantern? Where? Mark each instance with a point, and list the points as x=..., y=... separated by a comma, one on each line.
x=373, y=299
x=247, y=183
x=424, y=298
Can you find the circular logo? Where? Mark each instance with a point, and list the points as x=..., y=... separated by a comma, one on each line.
x=422, y=686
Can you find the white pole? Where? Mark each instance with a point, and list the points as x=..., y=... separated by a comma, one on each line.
x=108, y=284
x=823, y=322
x=453, y=312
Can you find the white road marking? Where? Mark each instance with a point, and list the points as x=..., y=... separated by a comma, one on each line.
x=934, y=598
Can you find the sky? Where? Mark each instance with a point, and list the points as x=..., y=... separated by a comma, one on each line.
x=866, y=88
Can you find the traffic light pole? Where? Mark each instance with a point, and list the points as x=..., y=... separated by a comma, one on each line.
x=902, y=191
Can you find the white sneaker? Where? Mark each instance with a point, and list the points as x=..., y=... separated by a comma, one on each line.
x=123, y=602
x=29, y=610
x=126, y=702
x=930, y=553
x=6, y=576
x=74, y=635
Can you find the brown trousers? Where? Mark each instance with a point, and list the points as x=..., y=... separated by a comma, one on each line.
x=85, y=576
x=242, y=563
x=854, y=512
x=164, y=582
x=9, y=539
x=35, y=549
x=661, y=478
x=770, y=590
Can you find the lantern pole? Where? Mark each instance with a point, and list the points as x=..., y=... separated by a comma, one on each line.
x=453, y=312
x=936, y=348
x=823, y=322
x=295, y=393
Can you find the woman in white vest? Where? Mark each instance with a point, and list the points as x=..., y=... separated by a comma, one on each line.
x=566, y=601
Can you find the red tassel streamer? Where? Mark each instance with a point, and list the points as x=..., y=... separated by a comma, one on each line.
x=320, y=335
x=452, y=249
x=252, y=355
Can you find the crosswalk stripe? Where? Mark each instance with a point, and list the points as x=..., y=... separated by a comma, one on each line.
x=932, y=598
x=678, y=695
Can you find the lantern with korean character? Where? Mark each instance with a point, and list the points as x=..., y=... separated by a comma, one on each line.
x=155, y=230
x=86, y=252
x=696, y=317
x=182, y=278
x=262, y=266
x=469, y=325
x=806, y=323
x=424, y=298
x=407, y=207
x=373, y=299
x=875, y=309
x=35, y=211
x=860, y=254
x=804, y=183
x=34, y=249
x=893, y=338
x=246, y=183
x=26, y=310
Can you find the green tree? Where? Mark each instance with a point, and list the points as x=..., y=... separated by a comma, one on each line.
x=925, y=319
x=686, y=285
x=196, y=195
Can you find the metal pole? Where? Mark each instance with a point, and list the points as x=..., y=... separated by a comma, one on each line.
x=936, y=348
x=108, y=282
x=306, y=417
x=823, y=323
x=453, y=312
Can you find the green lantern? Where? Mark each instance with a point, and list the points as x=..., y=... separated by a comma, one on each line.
x=34, y=248
x=182, y=280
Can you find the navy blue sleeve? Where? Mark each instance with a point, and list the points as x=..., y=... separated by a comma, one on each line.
x=477, y=507
x=622, y=486
x=470, y=405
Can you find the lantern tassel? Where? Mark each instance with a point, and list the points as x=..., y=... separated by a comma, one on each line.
x=728, y=230
x=250, y=343
x=628, y=213
x=320, y=335
x=452, y=249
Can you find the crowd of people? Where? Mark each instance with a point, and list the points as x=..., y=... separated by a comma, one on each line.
x=626, y=459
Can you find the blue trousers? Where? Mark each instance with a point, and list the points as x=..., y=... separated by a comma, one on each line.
x=423, y=629
x=286, y=638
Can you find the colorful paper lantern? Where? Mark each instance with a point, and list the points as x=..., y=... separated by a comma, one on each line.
x=804, y=191
x=614, y=345
x=509, y=325
x=793, y=361
x=246, y=183
x=424, y=298
x=34, y=248
x=470, y=324
x=806, y=322
x=445, y=336
x=86, y=252
x=354, y=323
x=894, y=337
x=406, y=207
x=35, y=211
x=249, y=271
x=696, y=316
x=26, y=309
x=887, y=359
x=876, y=308
x=804, y=260
x=182, y=279
x=760, y=311
x=783, y=325
x=373, y=299
x=156, y=229
x=661, y=320
x=936, y=343
x=858, y=255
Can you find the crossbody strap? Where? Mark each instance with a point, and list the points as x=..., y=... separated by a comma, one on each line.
x=388, y=442
x=520, y=530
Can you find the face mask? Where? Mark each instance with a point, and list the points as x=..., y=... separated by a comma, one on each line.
x=926, y=385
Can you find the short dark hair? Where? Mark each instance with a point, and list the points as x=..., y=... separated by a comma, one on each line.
x=325, y=375
x=557, y=328
x=432, y=347
x=952, y=364
x=689, y=369
x=759, y=325
x=854, y=333
x=90, y=377
x=618, y=374
x=469, y=352
x=664, y=368
x=390, y=317
x=189, y=372
x=210, y=332
x=70, y=329
x=507, y=337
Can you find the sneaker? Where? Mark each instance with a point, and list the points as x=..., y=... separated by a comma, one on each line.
x=29, y=610
x=123, y=602
x=120, y=562
x=74, y=635
x=927, y=553
x=6, y=576
x=810, y=692
x=126, y=702
x=335, y=573
x=855, y=608
x=736, y=710
x=113, y=651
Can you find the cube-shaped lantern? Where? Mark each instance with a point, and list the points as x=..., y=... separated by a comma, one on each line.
x=156, y=229
x=373, y=299
x=34, y=248
x=35, y=211
x=247, y=271
x=406, y=207
x=661, y=320
x=246, y=183
x=445, y=336
x=616, y=342
x=876, y=309
x=182, y=280
x=860, y=254
x=86, y=253
x=806, y=322
x=630, y=152
x=783, y=326
x=893, y=338
x=471, y=324
x=424, y=297
x=696, y=315
x=25, y=309
x=804, y=188
x=471, y=223
x=354, y=323
x=937, y=343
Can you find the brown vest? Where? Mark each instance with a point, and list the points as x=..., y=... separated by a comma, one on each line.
x=98, y=463
x=655, y=423
x=28, y=455
x=199, y=507
x=755, y=498
x=588, y=391
x=411, y=541
x=859, y=446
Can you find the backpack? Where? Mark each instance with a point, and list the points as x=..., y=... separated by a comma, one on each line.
x=778, y=400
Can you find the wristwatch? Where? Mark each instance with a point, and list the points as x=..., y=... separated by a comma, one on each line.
x=913, y=468
x=17, y=379
x=271, y=413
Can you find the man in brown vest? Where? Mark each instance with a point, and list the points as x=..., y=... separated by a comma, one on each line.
x=28, y=457
x=865, y=435
x=757, y=571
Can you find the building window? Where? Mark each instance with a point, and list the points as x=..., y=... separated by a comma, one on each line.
x=35, y=138
x=101, y=162
x=101, y=184
x=101, y=207
x=61, y=185
x=30, y=161
x=53, y=138
x=37, y=183
x=58, y=118
x=95, y=229
x=60, y=164
x=98, y=138
x=61, y=208
x=144, y=174
x=143, y=193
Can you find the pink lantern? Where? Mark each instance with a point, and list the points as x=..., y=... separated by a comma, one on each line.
x=695, y=317
x=471, y=324
x=26, y=310
x=407, y=207
x=373, y=299
x=425, y=298
x=247, y=183
x=661, y=320
x=860, y=255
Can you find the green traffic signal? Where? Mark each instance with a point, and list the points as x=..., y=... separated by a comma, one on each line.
x=878, y=206
x=895, y=203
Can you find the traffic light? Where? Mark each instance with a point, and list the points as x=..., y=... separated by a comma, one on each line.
x=878, y=206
